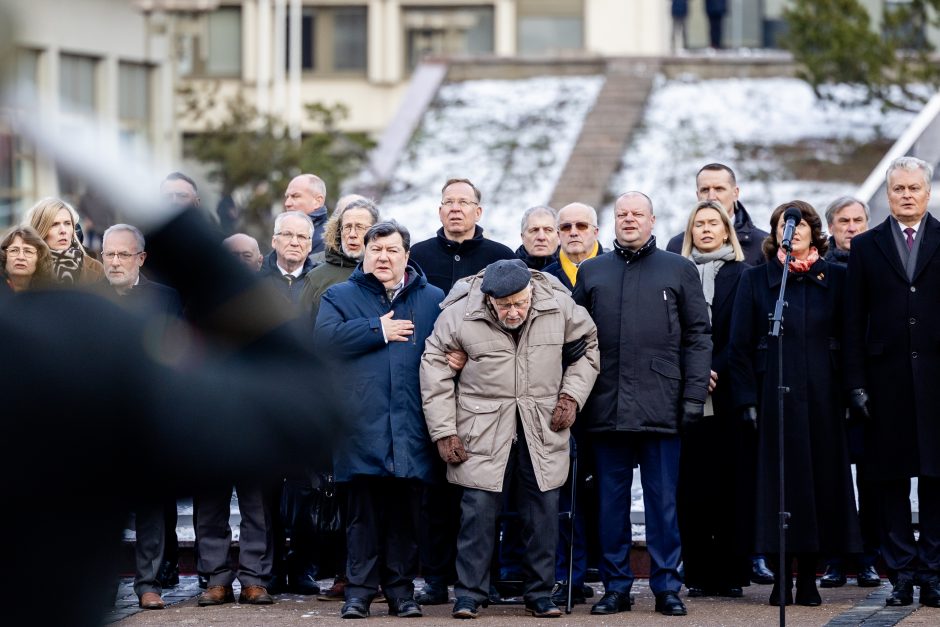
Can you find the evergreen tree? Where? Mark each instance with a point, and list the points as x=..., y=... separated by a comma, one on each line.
x=834, y=42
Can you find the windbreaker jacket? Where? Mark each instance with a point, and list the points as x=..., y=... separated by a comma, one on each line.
x=503, y=378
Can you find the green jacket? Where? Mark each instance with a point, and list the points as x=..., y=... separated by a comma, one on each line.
x=336, y=269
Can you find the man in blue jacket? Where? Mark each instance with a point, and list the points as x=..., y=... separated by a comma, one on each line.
x=376, y=324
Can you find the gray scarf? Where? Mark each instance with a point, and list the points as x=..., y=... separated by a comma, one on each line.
x=708, y=265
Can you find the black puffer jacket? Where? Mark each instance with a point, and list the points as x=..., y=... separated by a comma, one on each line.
x=654, y=336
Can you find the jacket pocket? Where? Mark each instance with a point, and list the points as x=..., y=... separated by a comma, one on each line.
x=666, y=368
x=552, y=441
x=478, y=423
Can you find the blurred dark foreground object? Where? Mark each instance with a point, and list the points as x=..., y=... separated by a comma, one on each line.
x=92, y=403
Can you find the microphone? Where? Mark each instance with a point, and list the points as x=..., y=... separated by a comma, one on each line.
x=792, y=216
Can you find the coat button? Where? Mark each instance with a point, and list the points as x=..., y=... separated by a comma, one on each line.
x=914, y=355
x=456, y=257
x=913, y=321
x=913, y=289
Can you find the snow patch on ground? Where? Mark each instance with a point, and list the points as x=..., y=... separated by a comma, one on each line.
x=691, y=122
x=512, y=138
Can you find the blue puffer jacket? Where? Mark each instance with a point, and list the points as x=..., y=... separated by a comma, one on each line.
x=387, y=433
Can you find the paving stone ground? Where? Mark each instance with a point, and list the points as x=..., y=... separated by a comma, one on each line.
x=849, y=605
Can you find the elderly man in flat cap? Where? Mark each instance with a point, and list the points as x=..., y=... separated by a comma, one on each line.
x=504, y=423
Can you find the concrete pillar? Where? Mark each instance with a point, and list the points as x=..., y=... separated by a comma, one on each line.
x=264, y=56
x=504, y=14
x=295, y=107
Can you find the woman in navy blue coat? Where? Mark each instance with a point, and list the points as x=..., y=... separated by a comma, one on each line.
x=819, y=493
x=715, y=524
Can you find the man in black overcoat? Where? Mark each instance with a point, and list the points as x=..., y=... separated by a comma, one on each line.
x=656, y=350
x=892, y=369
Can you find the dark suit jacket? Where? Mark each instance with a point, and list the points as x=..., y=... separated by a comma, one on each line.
x=892, y=348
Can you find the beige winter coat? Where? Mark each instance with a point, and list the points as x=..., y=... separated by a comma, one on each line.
x=501, y=378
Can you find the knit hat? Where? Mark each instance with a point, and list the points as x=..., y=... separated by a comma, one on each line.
x=505, y=277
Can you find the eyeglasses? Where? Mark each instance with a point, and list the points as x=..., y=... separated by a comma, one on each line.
x=303, y=239
x=358, y=228
x=26, y=252
x=110, y=256
x=522, y=304
x=564, y=227
x=463, y=204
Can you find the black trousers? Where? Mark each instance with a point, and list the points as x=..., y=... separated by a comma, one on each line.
x=903, y=555
x=149, y=548
x=214, y=536
x=538, y=512
x=440, y=521
x=382, y=536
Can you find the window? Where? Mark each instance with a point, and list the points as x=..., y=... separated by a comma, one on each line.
x=17, y=175
x=333, y=40
x=548, y=26
x=77, y=84
x=433, y=31
x=134, y=97
x=211, y=44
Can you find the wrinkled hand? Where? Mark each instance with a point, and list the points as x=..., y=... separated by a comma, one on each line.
x=456, y=359
x=572, y=351
x=451, y=450
x=397, y=330
x=712, y=381
x=692, y=412
x=858, y=402
x=749, y=417
x=564, y=413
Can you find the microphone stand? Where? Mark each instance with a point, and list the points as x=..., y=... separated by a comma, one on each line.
x=783, y=516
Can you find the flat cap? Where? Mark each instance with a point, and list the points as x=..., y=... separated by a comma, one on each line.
x=505, y=277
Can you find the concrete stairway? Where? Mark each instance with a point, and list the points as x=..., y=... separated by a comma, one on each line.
x=606, y=132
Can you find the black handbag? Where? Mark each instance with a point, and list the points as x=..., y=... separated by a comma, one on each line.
x=325, y=516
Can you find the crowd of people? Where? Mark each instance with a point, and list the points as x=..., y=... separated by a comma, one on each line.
x=472, y=373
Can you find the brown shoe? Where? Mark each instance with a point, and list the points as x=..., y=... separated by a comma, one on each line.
x=337, y=591
x=151, y=601
x=255, y=595
x=216, y=595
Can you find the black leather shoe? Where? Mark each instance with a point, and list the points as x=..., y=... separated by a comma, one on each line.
x=695, y=592
x=807, y=593
x=404, y=608
x=930, y=591
x=304, y=582
x=732, y=593
x=868, y=577
x=432, y=594
x=834, y=577
x=560, y=594
x=169, y=574
x=277, y=584
x=669, y=604
x=612, y=603
x=543, y=607
x=355, y=608
x=465, y=607
x=903, y=594
x=775, y=595
x=759, y=571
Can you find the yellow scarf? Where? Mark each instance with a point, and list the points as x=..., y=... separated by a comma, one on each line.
x=569, y=267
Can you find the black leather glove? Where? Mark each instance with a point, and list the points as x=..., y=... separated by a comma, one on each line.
x=858, y=402
x=692, y=412
x=749, y=416
x=572, y=351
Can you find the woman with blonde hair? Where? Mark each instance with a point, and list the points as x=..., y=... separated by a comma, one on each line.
x=25, y=259
x=716, y=451
x=55, y=220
